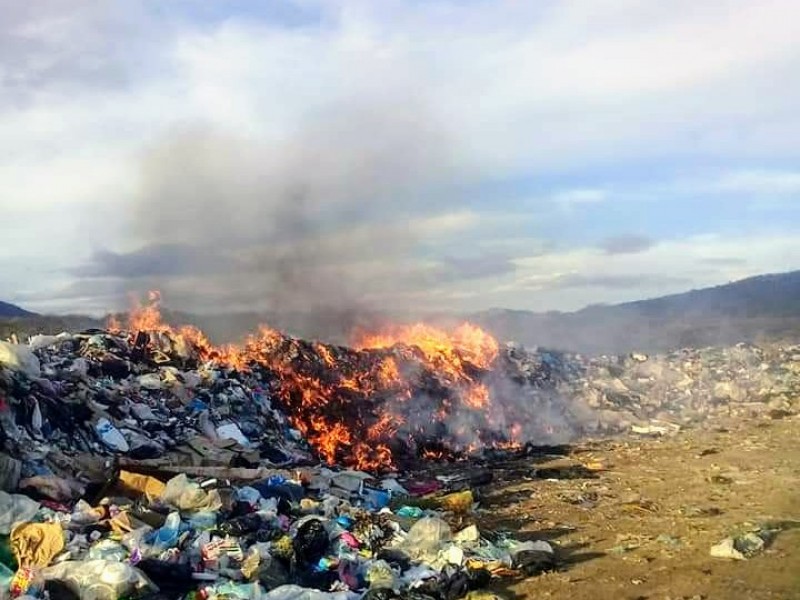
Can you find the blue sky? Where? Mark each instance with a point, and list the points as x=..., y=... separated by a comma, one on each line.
x=400, y=155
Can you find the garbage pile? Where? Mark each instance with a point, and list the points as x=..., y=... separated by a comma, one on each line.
x=320, y=535
x=657, y=394
x=171, y=397
x=148, y=463
x=145, y=461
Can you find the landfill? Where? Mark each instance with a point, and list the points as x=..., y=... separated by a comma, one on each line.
x=144, y=462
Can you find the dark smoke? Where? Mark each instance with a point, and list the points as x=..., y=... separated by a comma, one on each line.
x=326, y=221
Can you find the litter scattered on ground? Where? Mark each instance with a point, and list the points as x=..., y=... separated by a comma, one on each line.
x=148, y=461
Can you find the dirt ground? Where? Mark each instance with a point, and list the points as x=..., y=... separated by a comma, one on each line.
x=635, y=519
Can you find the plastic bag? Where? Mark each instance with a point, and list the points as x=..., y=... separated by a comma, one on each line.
x=426, y=537
x=295, y=592
x=167, y=536
x=20, y=358
x=381, y=575
x=111, y=436
x=188, y=495
x=311, y=542
x=108, y=550
x=14, y=508
x=99, y=579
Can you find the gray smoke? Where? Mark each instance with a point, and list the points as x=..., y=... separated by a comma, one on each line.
x=328, y=220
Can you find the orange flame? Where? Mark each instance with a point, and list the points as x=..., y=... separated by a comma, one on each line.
x=313, y=399
x=467, y=342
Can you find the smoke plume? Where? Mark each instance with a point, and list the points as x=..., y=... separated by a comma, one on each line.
x=327, y=220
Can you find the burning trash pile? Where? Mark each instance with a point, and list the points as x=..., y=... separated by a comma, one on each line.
x=150, y=391
x=144, y=461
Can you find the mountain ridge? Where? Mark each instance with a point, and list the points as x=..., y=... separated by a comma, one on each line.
x=8, y=310
x=763, y=306
x=760, y=308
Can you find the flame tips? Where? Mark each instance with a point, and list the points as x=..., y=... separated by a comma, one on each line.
x=316, y=382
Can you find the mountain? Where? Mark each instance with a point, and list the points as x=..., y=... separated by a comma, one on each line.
x=758, y=309
x=11, y=310
x=766, y=307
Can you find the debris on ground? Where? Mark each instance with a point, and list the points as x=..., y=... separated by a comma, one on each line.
x=146, y=460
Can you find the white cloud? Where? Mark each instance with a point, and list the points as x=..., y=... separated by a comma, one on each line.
x=500, y=90
x=572, y=279
x=569, y=199
x=758, y=181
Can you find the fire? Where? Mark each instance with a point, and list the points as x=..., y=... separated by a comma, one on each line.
x=477, y=396
x=354, y=406
x=466, y=343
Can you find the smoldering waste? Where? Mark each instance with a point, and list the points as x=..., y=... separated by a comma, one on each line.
x=150, y=459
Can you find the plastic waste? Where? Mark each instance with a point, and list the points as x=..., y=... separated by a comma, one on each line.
x=426, y=538
x=381, y=575
x=230, y=590
x=99, y=579
x=14, y=508
x=310, y=542
x=21, y=358
x=533, y=562
x=375, y=499
x=272, y=573
x=231, y=431
x=458, y=502
x=167, y=536
x=287, y=494
x=189, y=496
x=413, y=512
x=41, y=341
x=111, y=436
x=295, y=592
x=108, y=550
x=468, y=534
x=172, y=579
x=741, y=547
x=150, y=381
x=380, y=593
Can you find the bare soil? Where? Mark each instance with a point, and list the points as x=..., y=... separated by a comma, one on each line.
x=635, y=519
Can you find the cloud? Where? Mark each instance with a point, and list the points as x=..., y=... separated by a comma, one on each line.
x=759, y=181
x=570, y=199
x=61, y=46
x=636, y=281
x=626, y=244
x=476, y=267
x=725, y=261
x=235, y=155
x=571, y=279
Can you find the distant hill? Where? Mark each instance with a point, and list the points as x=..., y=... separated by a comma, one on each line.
x=758, y=309
x=766, y=307
x=12, y=310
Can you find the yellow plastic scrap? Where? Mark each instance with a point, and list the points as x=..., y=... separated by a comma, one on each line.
x=457, y=502
x=283, y=547
x=482, y=595
x=495, y=567
x=145, y=485
x=35, y=544
x=251, y=563
x=309, y=505
x=121, y=523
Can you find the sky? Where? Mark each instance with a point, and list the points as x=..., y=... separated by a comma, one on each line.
x=394, y=155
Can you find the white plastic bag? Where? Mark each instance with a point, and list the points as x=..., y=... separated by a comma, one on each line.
x=21, y=358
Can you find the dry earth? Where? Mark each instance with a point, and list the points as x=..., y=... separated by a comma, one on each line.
x=635, y=519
